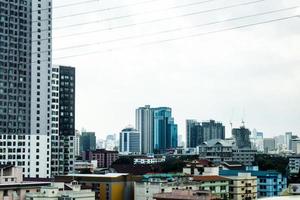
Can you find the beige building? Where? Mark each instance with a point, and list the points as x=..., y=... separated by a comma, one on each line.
x=68, y=191
x=161, y=183
x=184, y=195
x=243, y=187
x=12, y=186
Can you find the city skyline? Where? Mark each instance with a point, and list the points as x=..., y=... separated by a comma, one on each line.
x=245, y=74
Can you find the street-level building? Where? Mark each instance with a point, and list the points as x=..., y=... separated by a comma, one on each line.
x=269, y=183
x=151, y=184
x=243, y=187
x=184, y=194
x=73, y=191
x=13, y=187
x=112, y=186
x=217, y=185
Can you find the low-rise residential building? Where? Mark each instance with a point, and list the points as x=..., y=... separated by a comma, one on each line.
x=269, y=183
x=218, y=185
x=216, y=150
x=151, y=184
x=148, y=160
x=85, y=166
x=12, y=185
x=183, y=195
x=219, y=151
x=243, y=187
x=294, y=165
x=245, y=156
x=112, y=186
x=200, y=167
x=73, y=191
x=104, y=157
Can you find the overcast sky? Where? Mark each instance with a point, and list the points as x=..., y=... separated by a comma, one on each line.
x=251, y=73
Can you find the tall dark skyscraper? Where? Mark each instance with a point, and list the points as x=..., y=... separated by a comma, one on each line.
x=197, y=133
x=242, y=137
x=67, y=117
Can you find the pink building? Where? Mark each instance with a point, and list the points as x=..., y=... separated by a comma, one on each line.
x=12, y=185
x=104, y=157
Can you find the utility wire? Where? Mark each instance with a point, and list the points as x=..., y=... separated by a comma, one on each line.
x=176, y=29
x=67, y=5
x=177, y=38
x=131, y=15
x=155, y=20
x=180, y=38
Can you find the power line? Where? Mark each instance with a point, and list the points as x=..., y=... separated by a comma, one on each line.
x=67, y=5
x=155, y=20
x=166, y=18
x=177, y=29
x=181, y=37
x=131, y=15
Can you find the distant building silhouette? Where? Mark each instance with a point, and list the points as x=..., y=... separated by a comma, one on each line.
x=87, y=141
x=242, y=137
x=197, y=133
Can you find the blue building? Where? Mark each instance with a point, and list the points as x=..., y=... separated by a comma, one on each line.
x=164, y=129
x=269, y=183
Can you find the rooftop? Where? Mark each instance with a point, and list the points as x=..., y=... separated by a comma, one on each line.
x=210, y=178
x=108, y=175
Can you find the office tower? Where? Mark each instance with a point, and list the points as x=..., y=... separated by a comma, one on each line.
x=130, y=141
x=25, y=93
x=242, y=137
x=87, y=141
x=288, y=139
x=197, y=132
x=213, y=130
x=164, y=129
x=100, y=144
x=269, y=145
x=194, y=136
x=144, y=124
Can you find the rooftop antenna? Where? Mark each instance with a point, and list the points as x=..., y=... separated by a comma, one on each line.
x=243, y=122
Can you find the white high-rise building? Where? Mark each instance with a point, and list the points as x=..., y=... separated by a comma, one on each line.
x=144, y=124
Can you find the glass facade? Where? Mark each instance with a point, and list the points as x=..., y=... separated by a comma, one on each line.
x=165, y=130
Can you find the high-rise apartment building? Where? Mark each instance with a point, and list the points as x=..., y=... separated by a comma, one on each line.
x=242, y=137
x=130, y=141
x=197, y=133
x=213, y=130
x=87, y=141
x=25, y=85
x=144, y=124
x=164, y=129
x=193, y=133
